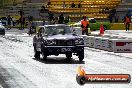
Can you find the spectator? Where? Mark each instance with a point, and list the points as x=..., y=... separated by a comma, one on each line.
x=84, y=25
x=67, y=20
x=29, y=27
x=127, y=21
x=42, y=9
x=9, y=19
x=103, y=11
x=79, y=5
x=30, y=18
x=113, y=12
x=116, y=18
x=61, y=19
x=73, y=5
x=51, y=16
x=64, y=5
x=21, y=12
x=22, y=22
x=43, y=22
x=55, y=20
x=110, y=18
x=107, y=10
x=14, y=21
x=48, y=4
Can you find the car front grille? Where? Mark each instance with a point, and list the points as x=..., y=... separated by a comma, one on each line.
x=65, y=42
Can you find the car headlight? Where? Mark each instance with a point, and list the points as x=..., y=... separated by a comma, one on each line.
x=79, y=41
x=51, y=42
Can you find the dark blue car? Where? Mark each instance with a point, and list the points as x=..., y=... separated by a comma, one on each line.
x=58, y=39
x=2, y=29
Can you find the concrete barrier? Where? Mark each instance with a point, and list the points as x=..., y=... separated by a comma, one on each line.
x=97, y=42
x=105, y=44
x=85, y=37
x=91, y=41
x=122, y=46
x=111, y=43
x=115, y=44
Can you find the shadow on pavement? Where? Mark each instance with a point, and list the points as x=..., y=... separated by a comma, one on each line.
x=59, y=60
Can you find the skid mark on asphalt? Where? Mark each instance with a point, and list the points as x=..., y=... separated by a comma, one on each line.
x=12, y=38
x=11, y=78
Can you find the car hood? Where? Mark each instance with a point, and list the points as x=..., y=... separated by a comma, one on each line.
x=62, y=37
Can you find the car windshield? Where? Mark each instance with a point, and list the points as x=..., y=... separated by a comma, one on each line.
x=55, y=30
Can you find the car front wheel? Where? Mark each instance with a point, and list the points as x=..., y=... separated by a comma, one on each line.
x=36, y=53
x=44, y=55
x=68, y=56
x=81, y=55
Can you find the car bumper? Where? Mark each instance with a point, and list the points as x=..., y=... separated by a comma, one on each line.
x=2, y=32
x=63, y=49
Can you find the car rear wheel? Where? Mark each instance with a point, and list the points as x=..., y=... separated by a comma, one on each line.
x=68, y=56
x=81, y=55
x=36, y=53
x=44, y=54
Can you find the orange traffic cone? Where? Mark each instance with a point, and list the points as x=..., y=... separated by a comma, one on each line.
x=101, y=29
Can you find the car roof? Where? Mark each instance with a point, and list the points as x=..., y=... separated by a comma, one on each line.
x=54, y=25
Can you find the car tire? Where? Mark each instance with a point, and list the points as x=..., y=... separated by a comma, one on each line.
x=44, y=54
x=81, y=55
x=68, y=56
x=4, y=33
x=36, y=53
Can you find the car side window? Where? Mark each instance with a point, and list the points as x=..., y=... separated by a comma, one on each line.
x=45, y=31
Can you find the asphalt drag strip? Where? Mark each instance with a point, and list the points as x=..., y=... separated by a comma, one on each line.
x=11, y=78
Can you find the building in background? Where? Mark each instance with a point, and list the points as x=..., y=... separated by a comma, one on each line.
x=99, y=9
